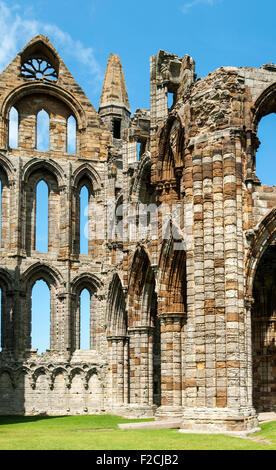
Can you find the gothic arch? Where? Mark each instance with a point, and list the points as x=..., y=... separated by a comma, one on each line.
x=8, y=168
x=116, y=313
x=265, y=104
x=171, y=143
x=7, y=182
x=261, y=307
x=172, y=273
x=35, y=171
x=86, y=281
x=7, y=310
x=144, y=166
x=56, y=284
x=141, y=289
x=87, y=171
x=76, y=371
x=89, y=374
x=47, y=89
x=6, y=280
x=9, y=372
x=37, y=373
x=37, y=164
x=42, y=271
x=260, y=239
x=144, y=332
x=92, y=284
x=40, y=46
x=84, y=176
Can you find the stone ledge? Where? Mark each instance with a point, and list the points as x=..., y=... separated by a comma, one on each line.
x=152, y=425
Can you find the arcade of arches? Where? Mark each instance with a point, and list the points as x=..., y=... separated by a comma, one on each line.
x=159, y=267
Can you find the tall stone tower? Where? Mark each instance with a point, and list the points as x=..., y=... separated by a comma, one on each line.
x=114, y=105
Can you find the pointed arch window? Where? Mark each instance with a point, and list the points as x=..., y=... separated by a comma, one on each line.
x=42, y=212
x=85, y=299
x=43, y=131
x=13, y=128
x=265, y=157
x=40, y=325
x=83, y=215
x=4, y=209
x=119, y=219
x=71, y=135
x=84, y=201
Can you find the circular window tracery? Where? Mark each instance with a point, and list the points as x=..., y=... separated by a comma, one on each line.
x=39, y=69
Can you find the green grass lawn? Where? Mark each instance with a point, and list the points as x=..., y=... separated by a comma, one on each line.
x=102, y=433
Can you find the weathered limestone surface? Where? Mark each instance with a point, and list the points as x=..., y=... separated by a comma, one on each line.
x=181, y=325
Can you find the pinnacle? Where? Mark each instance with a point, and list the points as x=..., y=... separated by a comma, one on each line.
x=114, y=87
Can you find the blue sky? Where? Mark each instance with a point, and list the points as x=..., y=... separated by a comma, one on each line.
x=214, y=32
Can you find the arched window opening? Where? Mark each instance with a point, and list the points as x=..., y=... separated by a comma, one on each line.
x=264, y=333
x=138, y=151
x=117, y=128
x=85, y=320
x=147, y=220
x=119, y=219
x=13, y=128
x=41, y=236
x=84, y=200
x=170, y=100
x=39, y=67
x=71, y=135
x=117, y=320
x=266, y=154
x=43, y=131
x=41, y=318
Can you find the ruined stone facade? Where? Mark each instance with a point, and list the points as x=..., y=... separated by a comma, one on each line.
x=183, y=315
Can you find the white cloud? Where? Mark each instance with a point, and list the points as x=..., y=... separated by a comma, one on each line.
x=189, y=5
x=17, y=28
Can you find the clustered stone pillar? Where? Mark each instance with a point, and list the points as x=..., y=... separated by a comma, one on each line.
x=172, y=331
x=141, y=368
x=220, y=401
x=119, y=369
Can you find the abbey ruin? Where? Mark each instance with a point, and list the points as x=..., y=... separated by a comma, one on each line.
x=181, y=262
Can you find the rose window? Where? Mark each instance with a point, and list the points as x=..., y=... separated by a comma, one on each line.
x=39, y=69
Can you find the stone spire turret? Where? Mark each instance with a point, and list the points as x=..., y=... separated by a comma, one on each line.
x=114, y=104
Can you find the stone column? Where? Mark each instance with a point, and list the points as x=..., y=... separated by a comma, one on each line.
x=217, y=386
x=7, y=320
x=172, y=325
x=119, y=370
x=141, y=369
x=249, y=352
